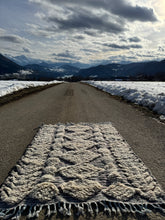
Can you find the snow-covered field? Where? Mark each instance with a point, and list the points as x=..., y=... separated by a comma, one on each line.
x=10, y=86
x=149, y=94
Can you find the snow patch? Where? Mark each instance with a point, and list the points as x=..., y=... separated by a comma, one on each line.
x=10, y=86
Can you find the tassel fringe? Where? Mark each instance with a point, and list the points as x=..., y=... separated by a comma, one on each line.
x=91, y=208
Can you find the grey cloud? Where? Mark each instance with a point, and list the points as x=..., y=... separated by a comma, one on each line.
x=26, y=50
x=133, y=13
x=123, y=47
x=89, y=50
x=131, y=39
x=62, y=60
x=161, y=49
x=64, y=55
x=136, y=46
x=118, y=7
x=84, y=20
x=116, y=46
x=12, y=39
x=134, y=39
x=122, y=39
x=145, y=55
x=93, y=17
x=79, y=37
x=91, y=33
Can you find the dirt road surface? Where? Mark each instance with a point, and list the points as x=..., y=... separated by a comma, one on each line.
x=75, y=102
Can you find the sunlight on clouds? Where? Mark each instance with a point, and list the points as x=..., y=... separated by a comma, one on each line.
x=159, y=6
x=2, y=31
x=85, y=27
x=105, y=55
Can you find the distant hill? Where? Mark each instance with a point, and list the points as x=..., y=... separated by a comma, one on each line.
x=8, y=66
x=44, y=70
x=144, y=70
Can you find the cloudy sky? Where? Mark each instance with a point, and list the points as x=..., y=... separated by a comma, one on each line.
x=86, y=31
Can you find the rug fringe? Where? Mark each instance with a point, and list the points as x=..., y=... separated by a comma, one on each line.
x=91, y=208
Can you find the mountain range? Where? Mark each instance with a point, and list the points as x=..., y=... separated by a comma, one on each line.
x=38, y=71
x=22, y=60
x=153, y=70
x=142, y=70
x=8, y=66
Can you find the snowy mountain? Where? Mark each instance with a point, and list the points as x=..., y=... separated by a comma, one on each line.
x=23, y=60
x=45, y=71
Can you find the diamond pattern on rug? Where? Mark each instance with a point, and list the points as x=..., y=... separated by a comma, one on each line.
x=79, y=165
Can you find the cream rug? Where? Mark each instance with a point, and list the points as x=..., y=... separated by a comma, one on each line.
x=85, y=166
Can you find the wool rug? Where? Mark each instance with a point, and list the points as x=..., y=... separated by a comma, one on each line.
x=81, y=167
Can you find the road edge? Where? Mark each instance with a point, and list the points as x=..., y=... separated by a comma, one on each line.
x=146, y=111
x=23, y=92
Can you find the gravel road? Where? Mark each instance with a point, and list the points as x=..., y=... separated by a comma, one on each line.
x=75, y=102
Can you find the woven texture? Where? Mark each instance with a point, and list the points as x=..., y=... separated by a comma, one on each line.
x=81, y=165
